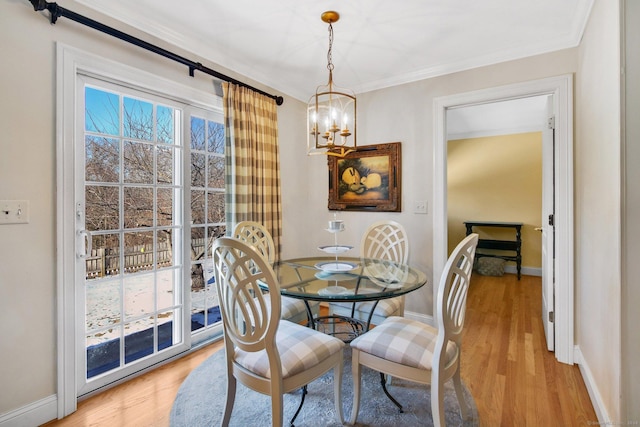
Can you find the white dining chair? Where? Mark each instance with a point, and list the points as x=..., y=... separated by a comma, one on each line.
x=385, y=240
x=419, y=352
x=273, y=356
x=258, y=236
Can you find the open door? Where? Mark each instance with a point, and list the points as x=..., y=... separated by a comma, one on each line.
x=548, y=220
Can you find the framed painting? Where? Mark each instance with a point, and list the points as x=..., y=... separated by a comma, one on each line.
x=367, y=179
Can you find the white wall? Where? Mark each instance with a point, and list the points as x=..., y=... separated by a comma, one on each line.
x=597, y=206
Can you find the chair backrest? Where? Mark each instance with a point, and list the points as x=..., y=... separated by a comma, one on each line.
x=453, y=289
x=257, y=236
x=385, y=240
x=239, y=269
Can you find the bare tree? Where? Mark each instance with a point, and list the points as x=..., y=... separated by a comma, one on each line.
x=138, y=151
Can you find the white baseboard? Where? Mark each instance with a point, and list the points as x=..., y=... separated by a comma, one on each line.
x=527, y=271
x=33, y=414
x=592, y=388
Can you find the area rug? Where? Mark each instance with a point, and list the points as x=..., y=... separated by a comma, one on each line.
x=201, y=397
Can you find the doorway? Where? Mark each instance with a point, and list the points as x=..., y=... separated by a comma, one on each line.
x=561, y=90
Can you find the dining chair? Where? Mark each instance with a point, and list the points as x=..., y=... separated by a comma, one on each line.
x=273, y=356
x=386, y=240
x=419, y=352
x=258, y=236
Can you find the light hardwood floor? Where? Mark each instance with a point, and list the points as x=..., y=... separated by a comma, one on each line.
x=514, y=380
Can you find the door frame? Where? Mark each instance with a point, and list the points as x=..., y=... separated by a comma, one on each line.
x=561, y=87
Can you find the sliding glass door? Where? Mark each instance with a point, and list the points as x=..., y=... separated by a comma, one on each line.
x=149, y=202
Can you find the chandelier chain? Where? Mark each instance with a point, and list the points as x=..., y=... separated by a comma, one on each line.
x=329, y=58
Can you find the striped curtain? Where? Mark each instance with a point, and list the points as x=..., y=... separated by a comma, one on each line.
x=252, y=160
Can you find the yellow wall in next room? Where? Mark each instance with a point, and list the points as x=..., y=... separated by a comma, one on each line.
x=497, y=178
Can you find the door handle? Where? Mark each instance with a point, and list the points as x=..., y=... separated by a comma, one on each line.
x=85, y=244
x=538, y=229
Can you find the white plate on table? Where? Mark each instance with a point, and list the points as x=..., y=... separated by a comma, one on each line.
x=336, y=266
x=335, y=249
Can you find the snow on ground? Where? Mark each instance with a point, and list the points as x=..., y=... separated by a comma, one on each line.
x=104, y=304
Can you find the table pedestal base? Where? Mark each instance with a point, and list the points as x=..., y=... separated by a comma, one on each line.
x=343, y=327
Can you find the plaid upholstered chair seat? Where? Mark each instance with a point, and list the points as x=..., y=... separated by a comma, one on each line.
x=404, y=341
x=300, y=348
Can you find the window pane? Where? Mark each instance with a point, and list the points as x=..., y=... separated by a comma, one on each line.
x=166, y=330
x=216, y=172
x=213, y=233
x=103, y=351
x=138, y=207
x=197, y=169
x=197, y=245
x=165, y=125
x=138, y=251
x=138, y=119
x=101, y=207
x=102, y=159
x=138, y=162
x=197, y=133
x=139, y=297
x=216, y=207
x=138, y=341
x=104, y=259
x=102, y=305
x=215, y=137
x=165, y=206
x=167, y=290
x=166, y=163
x=197, y=207
x=164, y=256
x=101, y=111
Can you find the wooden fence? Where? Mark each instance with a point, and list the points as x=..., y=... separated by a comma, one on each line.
x=106, y=261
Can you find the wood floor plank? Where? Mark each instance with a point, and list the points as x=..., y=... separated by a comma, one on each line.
x=515, y=381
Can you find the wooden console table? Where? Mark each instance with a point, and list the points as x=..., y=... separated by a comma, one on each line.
x=514, y=246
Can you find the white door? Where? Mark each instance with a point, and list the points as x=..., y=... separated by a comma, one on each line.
x=129, y=227
x=547, y=228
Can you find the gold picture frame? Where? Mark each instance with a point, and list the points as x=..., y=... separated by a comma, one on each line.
x=368, y=179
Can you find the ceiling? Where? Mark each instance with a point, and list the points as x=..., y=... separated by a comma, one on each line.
x=498, y=118
x=377, y=43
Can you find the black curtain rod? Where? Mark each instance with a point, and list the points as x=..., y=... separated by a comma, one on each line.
x=57, y=11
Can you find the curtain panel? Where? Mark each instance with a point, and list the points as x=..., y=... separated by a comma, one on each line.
x=252, y=160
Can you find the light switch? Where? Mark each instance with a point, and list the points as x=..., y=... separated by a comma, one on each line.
x=14, y=212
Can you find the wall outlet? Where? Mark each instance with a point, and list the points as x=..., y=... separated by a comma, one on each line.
x=420, y=207
x=14, y=211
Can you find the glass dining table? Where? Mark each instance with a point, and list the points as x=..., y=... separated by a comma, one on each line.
x=345, y=280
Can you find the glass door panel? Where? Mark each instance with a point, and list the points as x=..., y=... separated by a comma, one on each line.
x=131, y=221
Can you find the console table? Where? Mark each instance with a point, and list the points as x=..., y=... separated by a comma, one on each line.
x=514, y=246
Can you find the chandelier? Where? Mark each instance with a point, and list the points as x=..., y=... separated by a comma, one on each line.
x=331, y=111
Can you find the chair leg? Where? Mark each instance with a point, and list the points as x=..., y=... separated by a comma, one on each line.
x=457, y=384
x=337, y=389
x=357, y=379
x=231, y=397
x=437, y=403
x=276, y=409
